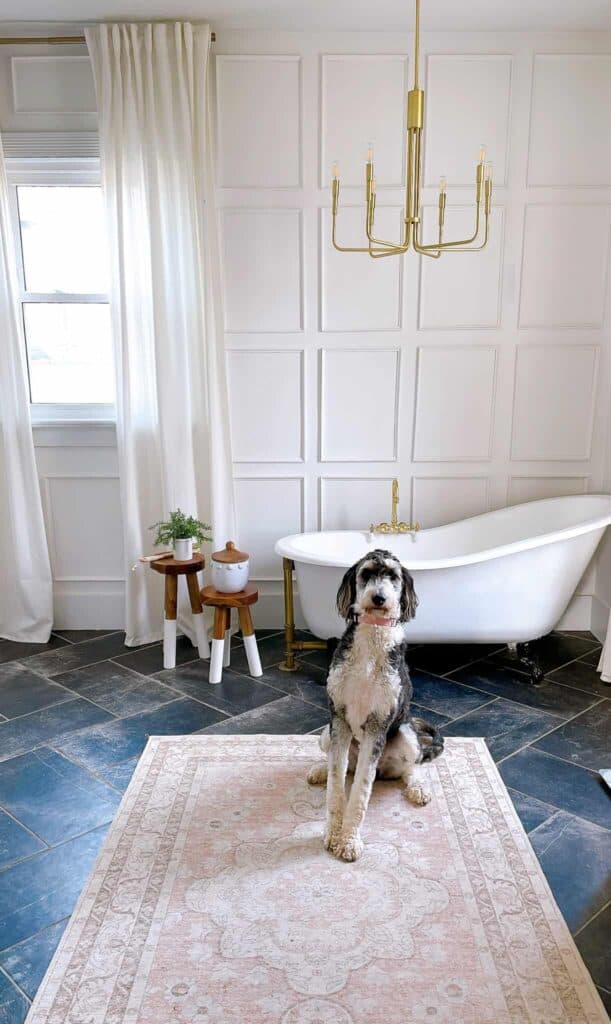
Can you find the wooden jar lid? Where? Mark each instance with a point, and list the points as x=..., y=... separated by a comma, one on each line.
x=229, y=554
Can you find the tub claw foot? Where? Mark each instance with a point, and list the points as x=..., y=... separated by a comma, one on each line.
x=529, y=660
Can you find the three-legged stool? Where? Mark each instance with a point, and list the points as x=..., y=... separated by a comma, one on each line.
x=172, y=569
x=221, y=642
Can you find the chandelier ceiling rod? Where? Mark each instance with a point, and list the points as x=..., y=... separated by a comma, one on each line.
x=412, y=219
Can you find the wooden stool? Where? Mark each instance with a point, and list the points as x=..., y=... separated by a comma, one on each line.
x=221, y=642
x=172, y=569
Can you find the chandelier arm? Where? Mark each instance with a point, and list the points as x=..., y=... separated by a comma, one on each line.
x=459, y=242
x=347, y=248
x=397, y=247
x=475, y=248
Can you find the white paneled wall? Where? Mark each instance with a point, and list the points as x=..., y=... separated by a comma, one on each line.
x=479, y=380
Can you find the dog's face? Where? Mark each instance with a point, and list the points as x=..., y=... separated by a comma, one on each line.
x=377, y=585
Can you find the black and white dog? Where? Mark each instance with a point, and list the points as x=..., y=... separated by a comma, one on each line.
x=369, y=692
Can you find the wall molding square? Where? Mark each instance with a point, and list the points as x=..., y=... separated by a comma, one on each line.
x=570, y=121
x=455, y=403
x=357, y=294
x=352, y=502
x=263, y=90
x=62, y=529
x=524, y=487
x=565, y=254
x=272, y=430
x=438, y=500
x=53, y=85
x=359, y=404
x=462, y=291
x=264, y=268
x=468, y=103
x=363, y=99
x=274, y=507
x=554, y=402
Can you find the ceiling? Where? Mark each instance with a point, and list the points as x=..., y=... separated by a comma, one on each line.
x=383, y=15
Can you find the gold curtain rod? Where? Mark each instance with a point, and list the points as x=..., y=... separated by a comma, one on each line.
x=50, y=40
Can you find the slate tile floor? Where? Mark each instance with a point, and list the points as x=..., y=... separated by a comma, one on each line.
x=75, y=716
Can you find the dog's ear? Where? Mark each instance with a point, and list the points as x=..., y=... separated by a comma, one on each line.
x=346, y=595
x=409, y=601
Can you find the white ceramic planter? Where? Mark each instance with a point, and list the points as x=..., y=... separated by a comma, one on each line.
x=229, y=577
x=183, y=549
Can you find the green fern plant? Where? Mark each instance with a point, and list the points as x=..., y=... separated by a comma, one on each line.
x=180, y=527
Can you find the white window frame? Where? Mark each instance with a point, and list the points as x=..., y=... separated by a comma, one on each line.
x=39, y=171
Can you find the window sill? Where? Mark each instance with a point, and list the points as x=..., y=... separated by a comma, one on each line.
x=72, y=415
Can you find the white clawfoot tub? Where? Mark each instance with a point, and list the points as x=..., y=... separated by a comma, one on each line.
x=502, y=577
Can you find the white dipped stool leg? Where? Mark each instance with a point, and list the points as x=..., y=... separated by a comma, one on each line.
x=227, y=650
x=201, y=633
x=250, y=642
x=218, y=645
x=169, y=624
x=169, y=643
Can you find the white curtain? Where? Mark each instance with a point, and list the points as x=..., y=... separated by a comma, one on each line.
x=26, y=595
x=166, y=290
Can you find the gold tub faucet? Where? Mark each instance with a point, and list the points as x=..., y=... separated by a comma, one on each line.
x=394, y=526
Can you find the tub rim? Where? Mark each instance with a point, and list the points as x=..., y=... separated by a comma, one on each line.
x=286, y=545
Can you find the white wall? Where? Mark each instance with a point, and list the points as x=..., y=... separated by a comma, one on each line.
x=479, y=381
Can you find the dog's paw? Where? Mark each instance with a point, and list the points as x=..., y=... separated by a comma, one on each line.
x=418, y=794
x=332, y=834
x=348, y=847
x=317, y=775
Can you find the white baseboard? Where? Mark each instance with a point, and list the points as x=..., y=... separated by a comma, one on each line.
x=600, y=619
x=88, y=606
x=578, y=614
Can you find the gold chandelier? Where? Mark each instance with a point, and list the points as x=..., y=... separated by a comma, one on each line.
x=378, y=247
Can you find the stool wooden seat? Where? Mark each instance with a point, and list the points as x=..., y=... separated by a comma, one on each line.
x=171, y=568
x=221, y=636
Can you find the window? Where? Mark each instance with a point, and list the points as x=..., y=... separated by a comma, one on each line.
x=64, y=294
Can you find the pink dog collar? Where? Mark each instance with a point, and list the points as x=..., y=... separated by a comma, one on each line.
x=373, y=620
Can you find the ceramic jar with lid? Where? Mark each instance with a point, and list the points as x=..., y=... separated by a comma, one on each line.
x=230, y=569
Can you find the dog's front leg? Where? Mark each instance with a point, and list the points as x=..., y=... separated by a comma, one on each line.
x=339, y=749
x=349, y=844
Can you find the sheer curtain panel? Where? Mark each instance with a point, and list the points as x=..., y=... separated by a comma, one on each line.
x=166, y=293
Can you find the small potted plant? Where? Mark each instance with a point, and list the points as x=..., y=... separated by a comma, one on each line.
x=180, y=531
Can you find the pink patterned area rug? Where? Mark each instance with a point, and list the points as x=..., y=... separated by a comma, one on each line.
x=214, y=902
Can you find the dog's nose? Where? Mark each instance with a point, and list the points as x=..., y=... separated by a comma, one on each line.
x=378, y=600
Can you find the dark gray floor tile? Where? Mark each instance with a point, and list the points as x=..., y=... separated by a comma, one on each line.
x=234, y=694
x=119, y=775
x=442, y=658
x=149, y=660
x=432, y=717
x=48, y=725
x=566, y=786
x=592, y=658
x=77, y=636
x=23, y=691
x=320, y=659
x=498, y=681
x=44, y=889
x=12, y=651
x=16, y=842
x=309, y=683
x=115, y=688
x=575, y=856
x=531, y=812
x=53, y=797
x=13, y=1004
x=505, y=726
x=606, y=999
x=552, y=651
x=585, y=740
x=593, y=944
x=27, y=962
x=72, y=656
x=271, y=651
x=581, y=676
x=445, y=696
x=285, y=716
x=126, y=737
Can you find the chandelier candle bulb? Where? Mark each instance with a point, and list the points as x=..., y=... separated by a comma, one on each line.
x=335, y=171
x=411, y=232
